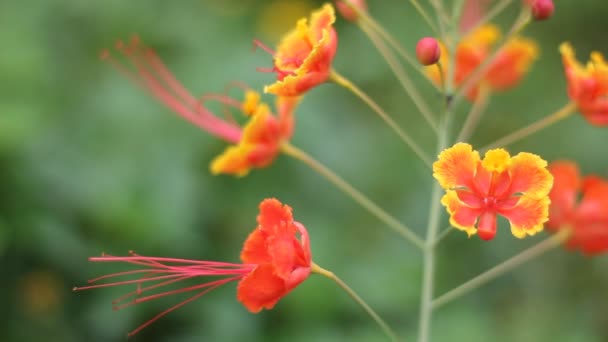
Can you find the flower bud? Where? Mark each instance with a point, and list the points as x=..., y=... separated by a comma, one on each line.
x=542, y=9
x=347, y=12
x=428, y=51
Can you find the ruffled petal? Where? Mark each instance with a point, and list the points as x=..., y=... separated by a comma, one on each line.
x=527, y=216
x=261, y=289
x=456, y=166
x=254, y=249
x=529, y=175
x=461, y=216
x=512, y=63
x=274, y=216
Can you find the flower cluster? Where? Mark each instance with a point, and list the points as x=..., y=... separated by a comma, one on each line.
x=276, y=256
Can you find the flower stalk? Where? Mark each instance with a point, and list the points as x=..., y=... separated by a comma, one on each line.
x=502, y=268
x=353, y=193
x=383, y=325
x=406, y=138
x=543, y=123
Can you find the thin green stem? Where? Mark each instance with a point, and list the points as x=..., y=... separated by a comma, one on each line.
x=345, y=83
x=392, y=42
x=475, y=114
x=443, y=235
x=545, y=122
x=355, y=194
x=442, y=17
x=475, y=77
x=493, y=12
x=428, y=271
x=424, y=15
x=504, y=267
x=383, y=325
x=406, y=83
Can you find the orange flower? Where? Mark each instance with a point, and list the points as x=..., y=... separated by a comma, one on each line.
x=257, y=144
x=477, y=190
x=507, y=69
x=587, y=217
x=587, y=85
x=304, y=55
x=261, y=139
x=274, y=260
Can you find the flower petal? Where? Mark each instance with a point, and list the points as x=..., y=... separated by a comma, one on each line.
x=461, y=216
x=529, y=175
x=456, y=166
x=261, y=289
x=527, y=216
x=254, y=249
x=566, y=184
x=275, y=216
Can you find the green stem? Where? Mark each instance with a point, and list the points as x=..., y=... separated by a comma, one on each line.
x=356, y=195
x=424, y=15
x=392, y=42
x=404, y=80
x=506, y=266
x=428, y=271
x=545, y=122
x=345, y=83
x=330, y=275
x=477, y=110
x=443, y=235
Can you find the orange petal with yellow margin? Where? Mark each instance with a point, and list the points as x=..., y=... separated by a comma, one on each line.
x=529, y=175
x=527, y=216
x=461, y=216
x=456, y=166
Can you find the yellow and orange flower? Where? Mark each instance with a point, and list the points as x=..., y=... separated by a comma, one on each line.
x=256, y=145
x=304, y=55
x=587, y=85
x=581, y=205
x=262, y=137
x=274, y=261
x=477, y=190
x=507, y=69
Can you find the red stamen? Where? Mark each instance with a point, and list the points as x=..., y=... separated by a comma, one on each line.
x=152, y=75
x=259, y=44
x=173, y=308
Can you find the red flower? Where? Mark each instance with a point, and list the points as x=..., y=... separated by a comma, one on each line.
x=478, y=190
x=256, y=145
x=587, y=85
x=304, y=55
x=274, y=260
x=587, y=217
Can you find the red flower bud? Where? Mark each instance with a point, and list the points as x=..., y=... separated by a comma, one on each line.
x=542, y=9
x=428, y=51
x=347, y=12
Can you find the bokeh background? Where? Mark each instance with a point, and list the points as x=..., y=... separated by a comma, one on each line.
x=91, y=164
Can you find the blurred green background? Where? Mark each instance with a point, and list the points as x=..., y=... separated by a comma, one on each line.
x=91, y=164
